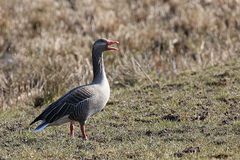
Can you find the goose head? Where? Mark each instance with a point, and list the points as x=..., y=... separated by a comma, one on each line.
x=102, y=45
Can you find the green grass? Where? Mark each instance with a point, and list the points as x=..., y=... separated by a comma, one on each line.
x=193, y=116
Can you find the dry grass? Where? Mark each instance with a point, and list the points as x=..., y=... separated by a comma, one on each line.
x=45, y=49
x=45, y=44
x=195, y=116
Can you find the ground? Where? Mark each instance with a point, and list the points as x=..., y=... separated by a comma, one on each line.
x=194, y=115
x=174, y=82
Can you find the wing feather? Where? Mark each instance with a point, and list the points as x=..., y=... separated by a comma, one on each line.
x=54, y=115
x=80, y=112
x=66, y=105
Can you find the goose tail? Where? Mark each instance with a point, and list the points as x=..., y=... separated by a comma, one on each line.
x=41, y=126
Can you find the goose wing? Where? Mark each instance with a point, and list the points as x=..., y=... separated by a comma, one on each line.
x=66, y=105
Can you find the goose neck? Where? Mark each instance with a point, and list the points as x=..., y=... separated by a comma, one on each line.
x=99, y=74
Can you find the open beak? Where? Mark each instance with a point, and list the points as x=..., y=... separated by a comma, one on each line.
x=111, y=42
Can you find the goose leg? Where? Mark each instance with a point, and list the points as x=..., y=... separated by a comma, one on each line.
x=84, y=136
x=71, y=129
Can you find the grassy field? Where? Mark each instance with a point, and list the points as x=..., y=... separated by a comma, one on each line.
x=45, y=45
x=194, y=116
x=175, y=80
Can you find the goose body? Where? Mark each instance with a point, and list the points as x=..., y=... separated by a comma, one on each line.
x=82, y=102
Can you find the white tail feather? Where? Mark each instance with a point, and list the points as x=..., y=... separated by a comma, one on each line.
x=41, y=126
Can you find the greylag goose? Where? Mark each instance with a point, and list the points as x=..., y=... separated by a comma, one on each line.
x=82, y=102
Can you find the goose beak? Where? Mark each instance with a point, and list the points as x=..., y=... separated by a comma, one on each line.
x=111, y=42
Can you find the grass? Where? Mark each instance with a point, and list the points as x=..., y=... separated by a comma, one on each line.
x=193, y=116
x=175, y=83
x=41, y=41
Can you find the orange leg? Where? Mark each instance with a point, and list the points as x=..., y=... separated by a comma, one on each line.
x=71, y=129
x=84, y=136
